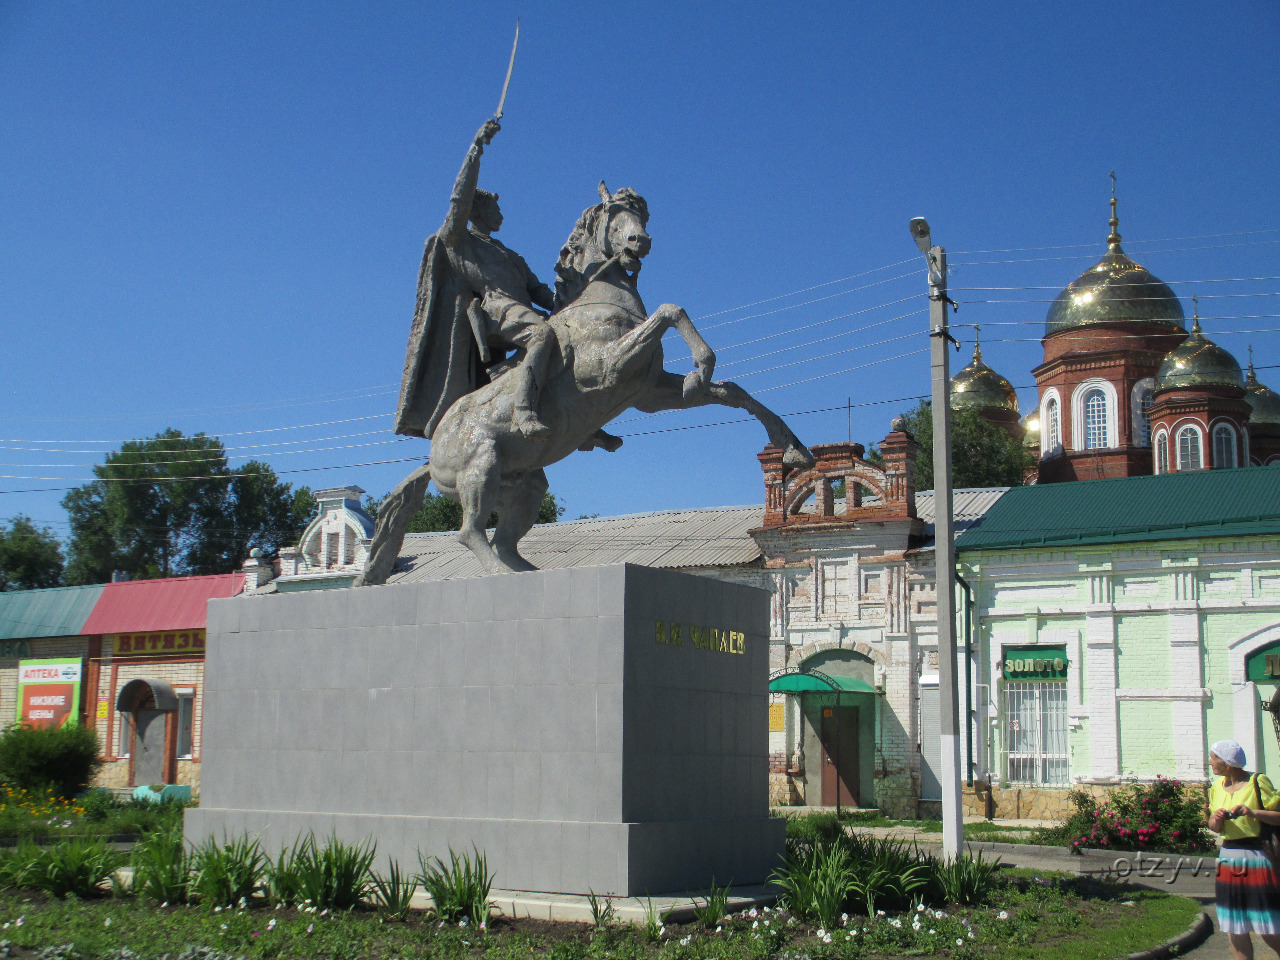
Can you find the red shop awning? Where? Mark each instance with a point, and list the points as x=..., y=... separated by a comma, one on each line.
x=140, y=606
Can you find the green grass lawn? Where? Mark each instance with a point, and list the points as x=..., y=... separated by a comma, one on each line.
x=1049, y=919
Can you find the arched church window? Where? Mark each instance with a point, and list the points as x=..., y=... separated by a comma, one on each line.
x=1095, y=420
x=1145, y=401
x=1053, y=432
x=1162, y=453
x=1224, y=447
x=1189, y=457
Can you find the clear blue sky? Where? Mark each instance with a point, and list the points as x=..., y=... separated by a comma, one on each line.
x=212, y=214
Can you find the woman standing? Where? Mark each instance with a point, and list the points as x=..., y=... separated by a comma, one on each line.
x=1248, y=890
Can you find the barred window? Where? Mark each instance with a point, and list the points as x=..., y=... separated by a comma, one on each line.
x=1189, y=449
x=1224, y=447
x=1095, y=420
x=1035, y=722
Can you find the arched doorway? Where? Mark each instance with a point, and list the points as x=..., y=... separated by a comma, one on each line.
x=151, y=706
x=837, y=714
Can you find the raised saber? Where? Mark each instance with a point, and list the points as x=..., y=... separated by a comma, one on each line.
x=510, y=66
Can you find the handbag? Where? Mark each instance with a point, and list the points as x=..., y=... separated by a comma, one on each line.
x=1268, y=834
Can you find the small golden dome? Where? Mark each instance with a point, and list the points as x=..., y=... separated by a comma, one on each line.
x=1263, y=401
x=1114, y=290
x=1198, y=362
x=979, y=387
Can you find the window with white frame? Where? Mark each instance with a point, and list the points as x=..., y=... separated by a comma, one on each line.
x=124, y=734
x=1052, y=426
x=186, y=718
x=1095, y=420
x=1189, y=457
x=1035, y=720
x=1146, y=399
x=1162, y=453
x=1224, y=447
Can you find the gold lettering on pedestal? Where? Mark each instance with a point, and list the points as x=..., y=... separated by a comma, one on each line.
x=715, y=639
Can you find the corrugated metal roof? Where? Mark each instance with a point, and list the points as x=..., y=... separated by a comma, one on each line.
x=1174, y=506
x=178, y=603
x=58, y=612
x=968, y=506
x=713, y=537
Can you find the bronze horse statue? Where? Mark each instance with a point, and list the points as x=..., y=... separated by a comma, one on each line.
x=608, y=358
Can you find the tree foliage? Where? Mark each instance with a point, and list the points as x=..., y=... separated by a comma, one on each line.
x=30, y=557
x=439, y=513
x=169, y=506
x=982, y=454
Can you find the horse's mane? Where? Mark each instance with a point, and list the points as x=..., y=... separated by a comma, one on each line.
x=580, y=252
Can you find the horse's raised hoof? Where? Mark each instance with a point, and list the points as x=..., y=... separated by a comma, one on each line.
x=696, y=382
x=797, y=457
x=528, y=425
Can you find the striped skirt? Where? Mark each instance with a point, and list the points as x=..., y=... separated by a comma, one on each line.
x=1248, y=892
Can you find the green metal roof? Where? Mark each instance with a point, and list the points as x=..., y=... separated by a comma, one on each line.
x=818, y=683
x=1172, y=506
x=59, y=612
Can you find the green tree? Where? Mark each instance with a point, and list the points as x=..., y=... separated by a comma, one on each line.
x=439, y=513
x=30, y=558
x=170, y=506
x=982, y=454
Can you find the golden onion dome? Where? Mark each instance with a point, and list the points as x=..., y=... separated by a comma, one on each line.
x=1113, y=290
x=1263, y=401
x=1198, y=362
x=978, y=387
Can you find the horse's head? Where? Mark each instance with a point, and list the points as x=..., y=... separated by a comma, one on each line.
x=621, y=231
x=614, y=229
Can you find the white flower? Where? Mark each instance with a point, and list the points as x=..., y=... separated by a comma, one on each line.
x=217, y=909
x=752, y=912
x=959, y=942
x=938, y=914
x=826, y=938
x=919, y=908
x=879, y=913
x=483, y=925
x=684, y=941
x=719, y=929
x=1002, y=915
x=662, y=929
x=970, y=934
x=224, y=926
x=896, y=923
x=163, y=905
x=932, y=931
x=324, y=911
x=310, y=927
x=915, y=925
x=821, y=932
x=272, y=924
x=754, y=924
x=106, y=922
x=844, y=918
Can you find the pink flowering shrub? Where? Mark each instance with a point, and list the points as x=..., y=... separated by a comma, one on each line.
x=1143, y=816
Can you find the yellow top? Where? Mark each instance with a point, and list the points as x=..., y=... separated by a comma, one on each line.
x=1247, y=794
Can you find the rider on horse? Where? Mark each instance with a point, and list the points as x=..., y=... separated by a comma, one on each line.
x=473, y=287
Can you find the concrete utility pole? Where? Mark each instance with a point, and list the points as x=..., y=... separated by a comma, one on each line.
x=943, y=542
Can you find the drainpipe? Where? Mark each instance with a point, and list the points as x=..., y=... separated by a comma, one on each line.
x=968, y=668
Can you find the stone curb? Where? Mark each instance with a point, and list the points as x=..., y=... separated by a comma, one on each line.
x=1196, y=934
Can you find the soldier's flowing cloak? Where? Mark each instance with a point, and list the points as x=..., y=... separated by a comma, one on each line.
x=442, y=361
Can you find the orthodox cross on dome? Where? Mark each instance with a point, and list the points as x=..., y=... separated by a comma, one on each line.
x=977, y=341
x=1195, y=313
x=1114, y=238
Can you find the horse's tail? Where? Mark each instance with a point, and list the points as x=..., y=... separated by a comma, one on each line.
x=393, y=522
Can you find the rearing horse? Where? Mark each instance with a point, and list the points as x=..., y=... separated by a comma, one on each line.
x=609, y=359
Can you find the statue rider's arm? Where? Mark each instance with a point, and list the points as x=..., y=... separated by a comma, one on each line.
x=464, y=189
x=539, y=293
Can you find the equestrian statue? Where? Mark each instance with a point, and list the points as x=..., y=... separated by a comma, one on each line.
x=502, y=389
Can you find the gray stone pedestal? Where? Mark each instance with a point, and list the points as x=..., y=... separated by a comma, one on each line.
x=599, y=728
